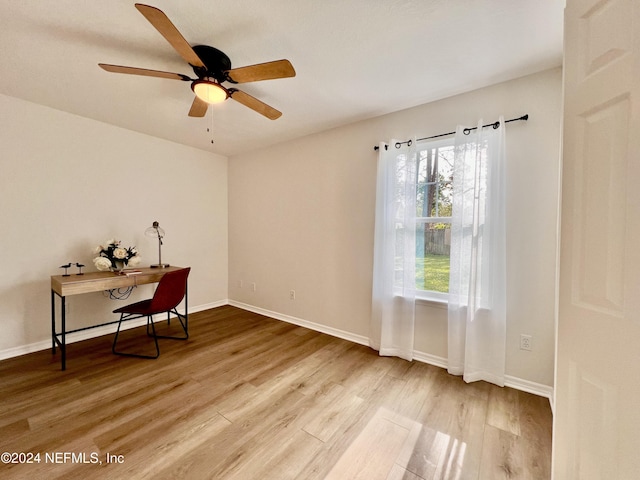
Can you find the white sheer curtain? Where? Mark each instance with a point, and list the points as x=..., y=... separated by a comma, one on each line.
x=477, y=282
x=394, y=278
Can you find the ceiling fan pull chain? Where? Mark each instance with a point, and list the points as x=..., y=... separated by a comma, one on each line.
x=211, y=130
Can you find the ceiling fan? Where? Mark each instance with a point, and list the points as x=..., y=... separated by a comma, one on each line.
x=212, y=68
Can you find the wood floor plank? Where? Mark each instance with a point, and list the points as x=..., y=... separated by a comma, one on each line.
x=350, y=429
x=248, y=397
x=504, y=410
x=399, y=473
x=341, y=405
x=418, y=382
x=287, y=458
x=373, y=453
x=426, y=452
x=146, y=456
x=502, y=459
x=242, y=443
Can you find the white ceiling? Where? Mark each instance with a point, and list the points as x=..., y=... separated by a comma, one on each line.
x=355, y=59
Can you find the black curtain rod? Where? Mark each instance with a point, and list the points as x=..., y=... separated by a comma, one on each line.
x=466, y=131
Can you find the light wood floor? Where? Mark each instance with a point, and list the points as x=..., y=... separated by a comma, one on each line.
x=249, y=397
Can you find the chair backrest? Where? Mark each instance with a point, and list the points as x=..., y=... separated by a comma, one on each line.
x=171, y=290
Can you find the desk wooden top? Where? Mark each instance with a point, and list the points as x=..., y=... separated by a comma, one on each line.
x=99, y=281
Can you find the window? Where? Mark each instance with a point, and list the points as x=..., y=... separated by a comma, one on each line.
x=434, y=172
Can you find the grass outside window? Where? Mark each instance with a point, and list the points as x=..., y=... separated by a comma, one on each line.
x=432, y=273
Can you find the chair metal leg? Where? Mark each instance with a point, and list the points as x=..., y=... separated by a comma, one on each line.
x=137, y=355
x=183, y=323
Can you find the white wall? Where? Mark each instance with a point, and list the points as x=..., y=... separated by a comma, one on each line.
x=301, y=216
x=68, y=183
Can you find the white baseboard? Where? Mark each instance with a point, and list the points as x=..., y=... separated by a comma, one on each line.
x=513, y=382
x=509, y=381
x=529, y=387
x=318, y=327
x=94, y=332
x=430, y=359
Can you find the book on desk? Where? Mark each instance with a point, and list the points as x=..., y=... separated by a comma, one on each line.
x=128, y=273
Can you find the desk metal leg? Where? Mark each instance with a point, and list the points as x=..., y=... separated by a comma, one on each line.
x=63, y=344
x=53, y=322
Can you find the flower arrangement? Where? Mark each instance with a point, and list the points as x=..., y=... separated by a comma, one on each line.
x=114, y=257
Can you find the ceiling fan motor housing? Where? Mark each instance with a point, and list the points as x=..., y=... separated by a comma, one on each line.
x=217, y=63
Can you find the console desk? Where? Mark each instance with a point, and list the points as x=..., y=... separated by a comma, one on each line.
x=63, y=286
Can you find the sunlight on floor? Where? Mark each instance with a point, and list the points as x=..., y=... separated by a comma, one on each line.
x=392, y=447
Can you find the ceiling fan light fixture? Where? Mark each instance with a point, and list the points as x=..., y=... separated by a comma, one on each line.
x=209, y=91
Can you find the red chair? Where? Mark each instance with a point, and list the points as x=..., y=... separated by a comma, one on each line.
x=171, y=289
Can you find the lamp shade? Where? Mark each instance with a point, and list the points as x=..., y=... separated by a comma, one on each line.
x=209, y=91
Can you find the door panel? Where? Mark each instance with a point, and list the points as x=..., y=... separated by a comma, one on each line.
x=597, y=414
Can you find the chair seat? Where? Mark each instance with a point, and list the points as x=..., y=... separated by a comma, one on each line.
x=142, y=308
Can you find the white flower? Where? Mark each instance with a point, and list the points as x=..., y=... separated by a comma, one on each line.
x=133, y=261
x=120, y=253
x=103, y=264
x=97, y=250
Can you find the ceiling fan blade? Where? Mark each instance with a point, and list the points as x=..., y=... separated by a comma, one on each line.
x=143, y=71
x=198, y=108
x=168, y=30
x=254, y=104
x=261, y=71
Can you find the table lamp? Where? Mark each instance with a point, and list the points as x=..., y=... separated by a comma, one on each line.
x=156, y=231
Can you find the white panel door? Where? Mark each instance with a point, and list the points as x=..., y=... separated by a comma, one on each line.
x=597, y=415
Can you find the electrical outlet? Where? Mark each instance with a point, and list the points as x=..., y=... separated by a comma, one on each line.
x=253, y=286
x=292, y=294
x=525, y=342
x=239, y=283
